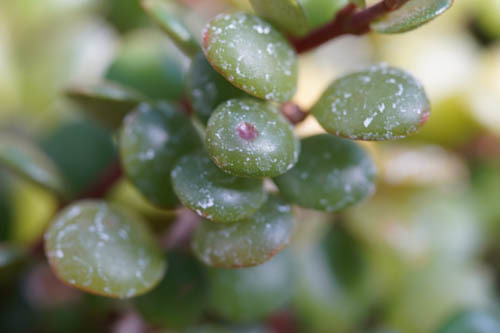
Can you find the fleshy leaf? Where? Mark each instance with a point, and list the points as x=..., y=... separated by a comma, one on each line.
x=378, y=103
x=250, y=138
x=150, y=65
x=104, y=250
x=180, y=298
x=284, y=14
x=411, y=15
x=332, y=174
x=204, y=188
x=251, y=54
x=248, y=242
x=250, y=294
x=26, y=159
x=167, y=14
x=107, y=103
x=151, y=141
x=83, y=153
x=206, y=88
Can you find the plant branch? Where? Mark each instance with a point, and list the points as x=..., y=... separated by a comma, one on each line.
x=348, y=21
x=293, y=112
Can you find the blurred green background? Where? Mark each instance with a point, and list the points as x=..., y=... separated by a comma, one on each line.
x=425, y=248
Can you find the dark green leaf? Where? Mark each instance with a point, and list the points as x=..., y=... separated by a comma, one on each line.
x=332, y=174
x=83, y=153
x=151, y=141
x=106, y=102
x=179, y=300
x=250, y=294
x=148, y=65
x=206, y=88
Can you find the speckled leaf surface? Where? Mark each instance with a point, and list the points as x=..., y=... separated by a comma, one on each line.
x=411, y=15
x=167, y=14
x=206, y=88
x=287, y=15
x=248, y=242
x=104, y=250
x=250, y=294
x=378, y=103
x=151, y=141
x=107, y=103
x=211, y=193
x=250, y=138
x=252, y=55
x=332, y=174
x=27, y=160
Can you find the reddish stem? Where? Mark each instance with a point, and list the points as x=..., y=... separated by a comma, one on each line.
x=348, y=21
x=293, y=112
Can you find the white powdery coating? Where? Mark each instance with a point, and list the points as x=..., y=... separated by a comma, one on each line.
x=411, y=15
x=274, y=151
x=379, y=103
x=149, y=141
x=332, y=174
x=213, y=194
x=252, y=55
x=248, y=242
x=93, y=247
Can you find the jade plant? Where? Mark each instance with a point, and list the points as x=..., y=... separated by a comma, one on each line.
x=224, y=149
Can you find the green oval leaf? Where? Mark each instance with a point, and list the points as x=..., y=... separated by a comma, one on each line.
x=250, y=294
x=206, y=88
x=27, y=160
x=248, y=242
x=167, y=14
x=378, y=103
x=180, y=298
x=83, y=152
x=284, y=14
x=411, y=15
x=147, y=64
x=107, y=103
x=320, y=12
x=211, y=193
x=250, y=138
x=151, y=141
x=104, y=250
x=252, y=55
x=332, y=174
